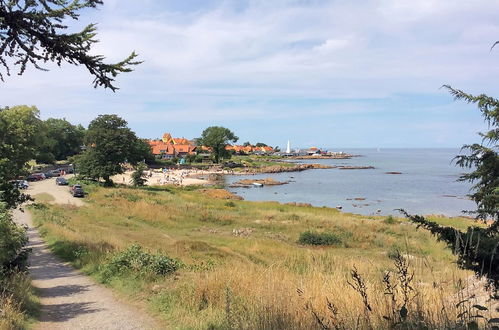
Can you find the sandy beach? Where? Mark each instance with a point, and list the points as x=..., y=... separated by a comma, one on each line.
x=181, y=177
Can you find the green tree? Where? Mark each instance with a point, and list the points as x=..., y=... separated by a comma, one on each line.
x=109, y=143
x=483, y=158
x=246, y=144
x=138, y=175
x=217, y=138
x=63, y=139
x=33, y=32
x=19, y=127
x=477, y=247
x=260, y=144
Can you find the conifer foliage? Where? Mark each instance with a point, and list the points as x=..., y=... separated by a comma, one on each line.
x=477, y=247
x=33, y=32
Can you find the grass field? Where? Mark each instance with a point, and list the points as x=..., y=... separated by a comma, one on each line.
x=242, y=265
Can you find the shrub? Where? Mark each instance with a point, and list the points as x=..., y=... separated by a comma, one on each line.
x=315, y=238
x=13, y=239
x=390, y=220
x=137, y=261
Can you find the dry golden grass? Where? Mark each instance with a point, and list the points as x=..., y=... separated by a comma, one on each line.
x=17, y=301
x=265, y=279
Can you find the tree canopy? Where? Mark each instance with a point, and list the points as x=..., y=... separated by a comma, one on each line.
x=32, y=32
x=63, y=139
x=18, y=141
x=109, y=143
x=217, y=138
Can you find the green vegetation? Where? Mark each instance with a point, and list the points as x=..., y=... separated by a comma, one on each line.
x=315, y=238
x=138, y=175
x=109, y=144
x=477, y=246
x=33, y=32
x=134, y=261
x=242, y=262
x=17, y=300
x=18, y=141
x=217, y=138
x=60, y=139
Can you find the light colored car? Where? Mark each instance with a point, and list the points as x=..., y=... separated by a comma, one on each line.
x=21, y=184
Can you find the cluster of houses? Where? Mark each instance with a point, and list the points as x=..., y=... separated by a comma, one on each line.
x=169, y=147
x=249, y=149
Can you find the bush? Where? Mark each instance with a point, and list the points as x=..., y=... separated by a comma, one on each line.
x=137, y=261
x=390, y=220
x=315, y=238
x=13, y=239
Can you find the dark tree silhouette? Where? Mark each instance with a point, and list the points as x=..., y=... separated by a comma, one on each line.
x=33, y=32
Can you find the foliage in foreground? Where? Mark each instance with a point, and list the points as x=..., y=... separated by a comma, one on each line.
x=477, y=247
x=16, y=296
x=32, y=32
x=483, y=159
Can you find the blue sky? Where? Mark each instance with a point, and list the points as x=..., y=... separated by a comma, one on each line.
x=325, y=73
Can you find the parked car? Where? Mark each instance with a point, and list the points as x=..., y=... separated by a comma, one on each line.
x=53, y=173
x=61, y=182
x=21, y=184
x=36, y=177
x=77, y=191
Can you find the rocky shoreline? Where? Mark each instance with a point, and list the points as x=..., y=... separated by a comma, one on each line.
x=246, y=183
x=282, y=169
x=335, y=156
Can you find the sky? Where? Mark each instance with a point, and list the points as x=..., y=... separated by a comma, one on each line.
x=336, y=74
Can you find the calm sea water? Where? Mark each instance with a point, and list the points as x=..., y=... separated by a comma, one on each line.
x=427, y=184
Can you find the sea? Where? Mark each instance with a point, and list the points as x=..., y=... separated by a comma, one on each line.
x=427, y=183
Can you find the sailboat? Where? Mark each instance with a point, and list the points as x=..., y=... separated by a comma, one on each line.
x=288, y=148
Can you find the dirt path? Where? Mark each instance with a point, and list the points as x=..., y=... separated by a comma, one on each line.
x=69, y=299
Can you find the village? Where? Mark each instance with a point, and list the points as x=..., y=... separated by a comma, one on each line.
x=187, y=151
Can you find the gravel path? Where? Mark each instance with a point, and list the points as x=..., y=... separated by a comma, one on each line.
x=61, y=194
x=69, y=299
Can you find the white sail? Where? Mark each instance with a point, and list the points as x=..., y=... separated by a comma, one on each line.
x=288, y=148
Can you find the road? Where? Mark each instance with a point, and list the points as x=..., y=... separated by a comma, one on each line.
x=70, y=299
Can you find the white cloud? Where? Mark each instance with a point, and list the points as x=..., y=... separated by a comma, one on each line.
x=202, y=57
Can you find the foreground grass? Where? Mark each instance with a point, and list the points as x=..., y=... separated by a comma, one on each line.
x=19, y=304
x=242, y=265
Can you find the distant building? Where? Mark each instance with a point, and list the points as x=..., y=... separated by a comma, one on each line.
x=249, y=149
x=169, y=147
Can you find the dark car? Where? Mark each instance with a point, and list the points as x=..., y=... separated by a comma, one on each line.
x=36, y=177
x=77, y=191
x=61, y=182
x=53, y=173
